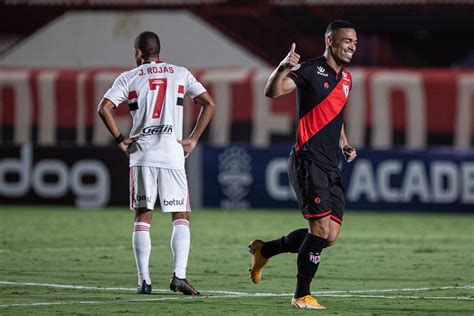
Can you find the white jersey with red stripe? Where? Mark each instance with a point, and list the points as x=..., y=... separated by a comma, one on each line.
x=155, y=93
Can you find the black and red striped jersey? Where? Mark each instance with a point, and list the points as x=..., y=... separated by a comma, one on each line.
x=321, y=98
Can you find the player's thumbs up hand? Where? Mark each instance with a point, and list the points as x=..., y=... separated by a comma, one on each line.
x=292, y=59
x=293, y=47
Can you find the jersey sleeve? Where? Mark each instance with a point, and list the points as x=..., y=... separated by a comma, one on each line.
x=299, y=74
x=118, y=93
x=193, y=88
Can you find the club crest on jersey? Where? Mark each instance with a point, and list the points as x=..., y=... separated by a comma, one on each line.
x=322, y=71
x=345, y=76
x=346, y=89
x=132, y=101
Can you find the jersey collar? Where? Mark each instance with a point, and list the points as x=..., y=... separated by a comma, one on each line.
x=152, y=62
x=323, y=59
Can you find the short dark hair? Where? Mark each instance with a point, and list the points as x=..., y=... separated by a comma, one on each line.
x=336, y=25
x=149, y=44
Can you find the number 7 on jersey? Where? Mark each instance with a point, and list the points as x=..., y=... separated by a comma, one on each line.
x=161, y=84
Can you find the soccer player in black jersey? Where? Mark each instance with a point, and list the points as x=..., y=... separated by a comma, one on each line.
x=322, y=88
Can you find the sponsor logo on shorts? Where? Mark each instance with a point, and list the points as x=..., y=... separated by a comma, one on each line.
x=173, y=202
x=139, y=198
x=314, y=257
x=317, y=200
x=156, y=130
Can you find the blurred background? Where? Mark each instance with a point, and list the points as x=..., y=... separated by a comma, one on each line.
x=410, y=114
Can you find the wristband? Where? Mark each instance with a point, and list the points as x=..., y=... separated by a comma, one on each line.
x=119, y=138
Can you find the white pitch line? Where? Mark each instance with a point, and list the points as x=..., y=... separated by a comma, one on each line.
x=89, y=302
x=95, y=288
x=101, y=248
x=81, y=287
x=235, y=296
x=394, y=297
x=136, y=300
x=65, y=249
x=159, y=247
x=401, y=290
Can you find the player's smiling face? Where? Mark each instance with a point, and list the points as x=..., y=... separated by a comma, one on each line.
x=343, y=45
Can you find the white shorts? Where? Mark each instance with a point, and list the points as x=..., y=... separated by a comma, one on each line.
x=169, y=185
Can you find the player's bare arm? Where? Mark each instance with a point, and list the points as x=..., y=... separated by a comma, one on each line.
x=278, y=84
x=105, y=110
x=349, y=152
x=207, y=109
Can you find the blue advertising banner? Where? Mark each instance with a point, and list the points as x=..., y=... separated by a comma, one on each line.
x=245, y=177
x=432, y=180
x=86, y=177
x=239, y=177
x=429, y=180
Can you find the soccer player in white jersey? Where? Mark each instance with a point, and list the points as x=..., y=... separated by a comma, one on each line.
x=154, y=91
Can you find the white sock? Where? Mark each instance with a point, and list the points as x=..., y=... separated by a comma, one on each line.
x=180, y=241
x=142, y=249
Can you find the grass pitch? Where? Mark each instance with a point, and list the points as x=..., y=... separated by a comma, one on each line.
x=60, y=260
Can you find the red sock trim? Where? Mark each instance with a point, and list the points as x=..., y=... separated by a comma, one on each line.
x=141, y=228
x=181, y=222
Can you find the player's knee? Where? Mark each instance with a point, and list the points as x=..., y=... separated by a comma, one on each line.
x=320, y=228
x=143, y=215
x=179, y=215
x=330, y=242
x=333, y=234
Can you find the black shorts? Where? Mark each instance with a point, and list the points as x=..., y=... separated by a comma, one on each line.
x=320, y=192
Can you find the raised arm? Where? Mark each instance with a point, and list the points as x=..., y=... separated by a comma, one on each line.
x=207, y=109
x=278, y=84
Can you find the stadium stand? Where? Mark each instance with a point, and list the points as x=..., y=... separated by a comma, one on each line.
x=392, y=32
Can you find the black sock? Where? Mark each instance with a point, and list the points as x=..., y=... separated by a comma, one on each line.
x=308, y=262
x=290, y=243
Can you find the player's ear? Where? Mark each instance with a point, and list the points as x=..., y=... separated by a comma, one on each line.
x=138, y=53
x=138, y=57
x=329, y=41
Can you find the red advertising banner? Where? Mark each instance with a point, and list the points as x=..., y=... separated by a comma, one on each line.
x=387, y=107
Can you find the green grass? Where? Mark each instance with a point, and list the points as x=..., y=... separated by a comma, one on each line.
x=61, y=245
